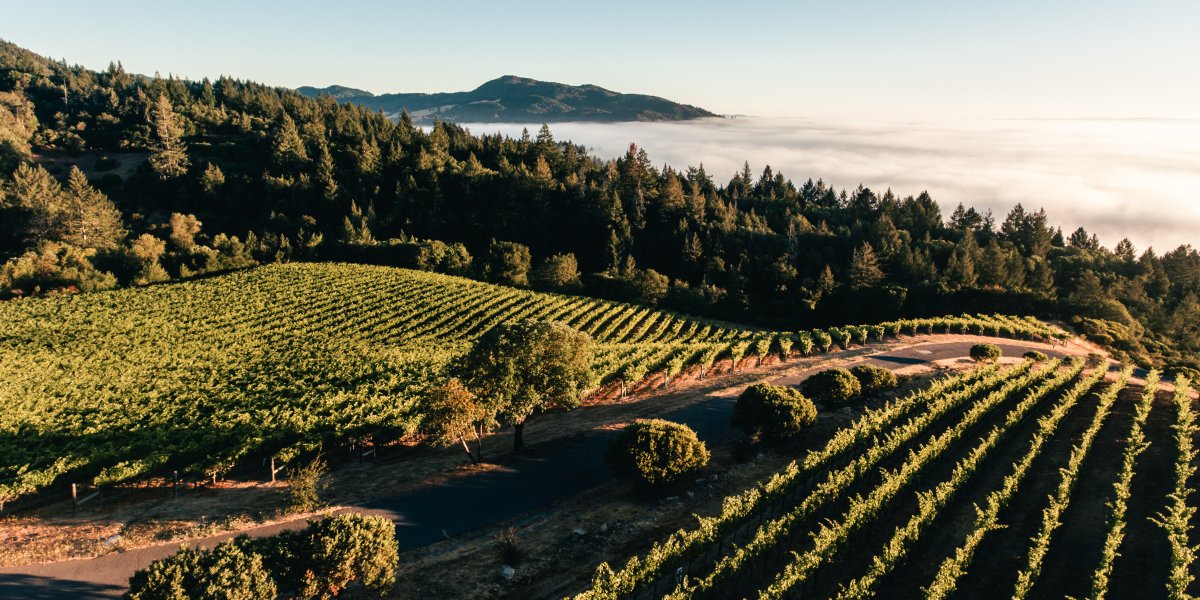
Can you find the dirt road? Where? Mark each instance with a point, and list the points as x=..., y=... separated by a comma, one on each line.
x=522, y=484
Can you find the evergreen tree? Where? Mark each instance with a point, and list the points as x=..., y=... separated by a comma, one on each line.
x=168, y=156
x=288, y=148
x=90, y=218
x=864, y=267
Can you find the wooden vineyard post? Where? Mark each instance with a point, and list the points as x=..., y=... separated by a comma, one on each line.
x=175, y=484
x=272, y=469
x=75, y=496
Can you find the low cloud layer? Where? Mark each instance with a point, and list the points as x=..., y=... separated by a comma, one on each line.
x=1120, y=178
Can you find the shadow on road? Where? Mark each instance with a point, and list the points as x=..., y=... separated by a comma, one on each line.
x=32, y=587
x=904, y=360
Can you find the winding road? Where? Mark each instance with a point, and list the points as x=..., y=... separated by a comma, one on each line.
x=436, y=511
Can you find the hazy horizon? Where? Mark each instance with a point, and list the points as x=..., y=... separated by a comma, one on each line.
x=923, y=59
x=1101, y=174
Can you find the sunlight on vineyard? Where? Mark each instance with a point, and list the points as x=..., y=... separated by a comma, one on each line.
x=202, y=375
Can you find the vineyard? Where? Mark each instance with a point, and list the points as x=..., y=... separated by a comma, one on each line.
x=1030, y=480
x=201, y=376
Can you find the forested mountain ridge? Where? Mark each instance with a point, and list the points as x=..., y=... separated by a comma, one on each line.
x=518, y=100
x=241, y=173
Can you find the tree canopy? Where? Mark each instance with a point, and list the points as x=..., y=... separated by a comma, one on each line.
x=527, y=367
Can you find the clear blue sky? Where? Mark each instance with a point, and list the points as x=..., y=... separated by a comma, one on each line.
x=914, y=59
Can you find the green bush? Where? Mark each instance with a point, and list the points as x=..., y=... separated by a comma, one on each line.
x=306, y=483
x=1036, y=356
x=832, y=386
x=227, y=572
x=349, y=547
x=655, y=453
x=772, y=412
x=874, y=379
x=1176, y=370
x=316, y=562
x=985, y=352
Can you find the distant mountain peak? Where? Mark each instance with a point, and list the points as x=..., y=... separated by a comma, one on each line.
x=516, y=99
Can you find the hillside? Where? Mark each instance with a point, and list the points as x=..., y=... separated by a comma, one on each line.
x=278, y=360
x=512, y=99
x=199, y=375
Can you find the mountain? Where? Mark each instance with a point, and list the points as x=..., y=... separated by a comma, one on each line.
x=514, y=99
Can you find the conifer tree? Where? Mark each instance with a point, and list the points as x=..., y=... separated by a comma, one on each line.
x=168, y=152
x=864, y=267
x=90, y=219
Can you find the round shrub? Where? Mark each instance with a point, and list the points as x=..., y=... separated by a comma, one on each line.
x=985, y=352
x=831, y=386
x=227, y=572
x=656, y=453
x=350, y=547
x=874, y=379
x=772, y=412
x=1036, y=356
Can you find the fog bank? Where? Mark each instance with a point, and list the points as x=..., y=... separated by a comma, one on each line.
x=1118, y=178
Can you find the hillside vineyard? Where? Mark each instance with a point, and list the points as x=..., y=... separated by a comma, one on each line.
x=967, y=489
x=201, y=376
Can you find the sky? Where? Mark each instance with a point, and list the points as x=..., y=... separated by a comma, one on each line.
x=918, y=59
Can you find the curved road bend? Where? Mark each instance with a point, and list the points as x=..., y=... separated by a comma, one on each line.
x=428, y=514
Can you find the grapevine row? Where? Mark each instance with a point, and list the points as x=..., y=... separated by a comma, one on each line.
x=1052, y=514
x=1134, y=446
x=1176, y=519
x=837, y=482
x=945, y=582
x=829, y=538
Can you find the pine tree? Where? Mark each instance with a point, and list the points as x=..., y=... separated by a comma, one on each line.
x=212, y=179
x=864, y=267
x=289, y=149
x=90, y=220
x=169, y=154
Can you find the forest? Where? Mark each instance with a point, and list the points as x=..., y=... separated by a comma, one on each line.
x=114, y=179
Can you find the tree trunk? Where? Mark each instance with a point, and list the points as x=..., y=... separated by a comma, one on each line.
x=518, y=437
x=467, y=449
x=479, y=444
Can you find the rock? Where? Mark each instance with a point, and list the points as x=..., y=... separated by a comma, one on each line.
x=507, y=572
x=604, y=528
x=579, y=531
x=847, y=410
x=671, y=499
x=113, y=540
x=691, y=495
x=701, y=480
x=760, y=457
x=712, y=477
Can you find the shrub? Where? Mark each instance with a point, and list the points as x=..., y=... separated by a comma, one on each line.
x=316, y=562
x=874, y=379
x=1036, y=356
x=772, y=412
x=655, y=453
x=831, y=386
x=305, y=485
x=349, y=547
x=985, y=352
x=510, y=550
x=228, y=572
x=1176, y=370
